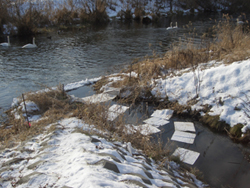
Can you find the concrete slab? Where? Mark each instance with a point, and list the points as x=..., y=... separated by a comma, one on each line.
x=118, y=108
x=184, y=126
x=112, y=90
x=102, y=97
x=156, y=121
x=186, y=156
x=147, y=129
x=185, y=137
x=115, y=110
x=164, y=114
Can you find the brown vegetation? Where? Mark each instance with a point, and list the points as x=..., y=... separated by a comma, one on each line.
x=53, y=104
x=30, y=17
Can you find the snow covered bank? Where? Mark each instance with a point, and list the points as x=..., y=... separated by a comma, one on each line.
x=67, y=158
x=224, y=87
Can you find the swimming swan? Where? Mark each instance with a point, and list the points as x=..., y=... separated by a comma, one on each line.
x=30, y=45
x=176, y=26
x=171, y=27
x=6, y=43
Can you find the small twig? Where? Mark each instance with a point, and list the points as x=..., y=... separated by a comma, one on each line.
x=26, y=111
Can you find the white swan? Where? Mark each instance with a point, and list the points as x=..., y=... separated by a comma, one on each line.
x=176, y=26
x=30, y=45
x=6, y=43
x=239, y=22
x=171, y=27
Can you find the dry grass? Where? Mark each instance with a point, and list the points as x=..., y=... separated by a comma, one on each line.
x=94, y=12
x=232, y=41
x=215, y=123
x=53, y=104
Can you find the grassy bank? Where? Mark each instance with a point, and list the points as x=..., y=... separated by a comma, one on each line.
x=55, y=105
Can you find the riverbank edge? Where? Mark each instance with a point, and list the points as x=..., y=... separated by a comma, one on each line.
x=131, y=93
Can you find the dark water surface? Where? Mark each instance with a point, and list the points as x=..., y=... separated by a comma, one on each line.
x=222, y=162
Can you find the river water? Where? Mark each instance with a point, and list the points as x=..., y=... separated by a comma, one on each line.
x=88, y=53
x=76, y=55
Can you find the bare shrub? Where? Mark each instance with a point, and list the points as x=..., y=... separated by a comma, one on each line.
x=231, y=41
x=49, y=99
x=63, y=16
x=139, y=12
x=4, y=16
x=94, y=11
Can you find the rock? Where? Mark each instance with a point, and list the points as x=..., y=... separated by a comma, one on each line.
x=93, y=140
x=112, y=156
x=144, y=179
x=111, y=166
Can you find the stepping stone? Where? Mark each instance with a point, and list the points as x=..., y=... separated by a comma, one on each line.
x=98, y=98
x=118, y=108
x=156, y=121
x=164, y=114
x=111, y=166
x=185, y=137
x=115, y=110
x=112, y=91
x=184, y=126
x=130, y=129
x=186, y=156
x=146, y=129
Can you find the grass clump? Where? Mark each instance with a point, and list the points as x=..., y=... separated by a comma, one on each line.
x=215, y=123
x=176, y=159
x=199, y=175
x=235, y=131
x=49, y=99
